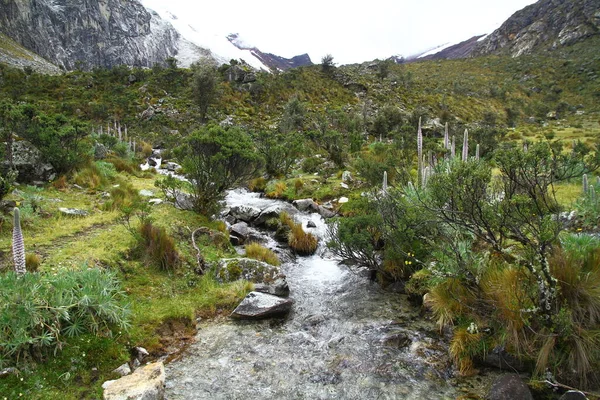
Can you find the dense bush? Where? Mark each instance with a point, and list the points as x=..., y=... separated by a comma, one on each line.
x=37, y=311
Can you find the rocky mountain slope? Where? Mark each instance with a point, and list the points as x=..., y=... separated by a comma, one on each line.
x=271, y=60
x=545, y=25
x=88, y=33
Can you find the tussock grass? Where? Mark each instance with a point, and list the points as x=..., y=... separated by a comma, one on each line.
x=300, y=241
x=158, y=246
x=261, y=253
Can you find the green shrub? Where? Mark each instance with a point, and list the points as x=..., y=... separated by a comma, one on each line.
x=39, y=310
x=6, y=182
x=261, y=253
x=158, y=247
x=95, y=175
x=311, y=164
x=258, y=184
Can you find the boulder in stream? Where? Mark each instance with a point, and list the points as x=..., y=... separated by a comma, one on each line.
x=279, y=287
x=306, y=205
x=238, y=233
x=146, y=383
x=232, y=269
x=244, y=213
x=509, y=386
x=275, y=211
x=258, y=305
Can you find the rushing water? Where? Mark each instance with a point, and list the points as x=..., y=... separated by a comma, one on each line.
x=345, y=339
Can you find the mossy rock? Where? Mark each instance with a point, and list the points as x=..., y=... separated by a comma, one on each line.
x=232, y=269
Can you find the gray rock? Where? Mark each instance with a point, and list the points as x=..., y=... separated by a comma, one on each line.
x=311, y=224
x=90, y=34
x=258, y=305
x=238, y=233
x=123, y=370
x=244, y=213
x=305, y=205
x=146, y=383
x=100, y=151
x=573, y=395
x=73, y=212
x=509, y=386
x=275, y=211
x=232, y=269
x=279, y=287
x=172, y=166
x=28, y=162
x=326, y=213
x=184, y=201
x=347, y=176
x=344, y=186
x=155, y=202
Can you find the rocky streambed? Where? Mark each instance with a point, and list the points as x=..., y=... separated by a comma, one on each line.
x=344, y=338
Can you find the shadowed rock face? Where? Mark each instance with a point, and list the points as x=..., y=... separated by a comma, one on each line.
x=545, y=25
x=89, y=33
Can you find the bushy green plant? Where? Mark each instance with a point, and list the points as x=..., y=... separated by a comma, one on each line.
x=216, y=159
x=39, y=310
x=6, y=182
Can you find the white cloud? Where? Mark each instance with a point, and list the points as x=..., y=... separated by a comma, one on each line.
x=350, y=31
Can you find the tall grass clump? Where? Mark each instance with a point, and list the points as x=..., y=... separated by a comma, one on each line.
x=123, y=197
x=301, y=242
x=158, y=247
x=39, y=311
x=261, y=253
x=95, y=175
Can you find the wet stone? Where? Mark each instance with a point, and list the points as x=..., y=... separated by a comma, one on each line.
x=258, y=305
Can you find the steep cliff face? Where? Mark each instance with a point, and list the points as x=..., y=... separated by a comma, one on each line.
x=545, y=25
x=88, y=33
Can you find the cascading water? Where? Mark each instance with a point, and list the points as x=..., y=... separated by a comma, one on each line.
x=345, y=339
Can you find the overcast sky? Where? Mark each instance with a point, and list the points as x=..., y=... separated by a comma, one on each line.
x=352, y=31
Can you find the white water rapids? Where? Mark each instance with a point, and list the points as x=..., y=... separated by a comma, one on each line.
x=338, y=342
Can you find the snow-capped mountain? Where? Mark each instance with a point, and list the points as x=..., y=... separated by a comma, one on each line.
x=198, y=39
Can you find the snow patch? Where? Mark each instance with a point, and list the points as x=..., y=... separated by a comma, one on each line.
x=196, y=38
x=436, y=50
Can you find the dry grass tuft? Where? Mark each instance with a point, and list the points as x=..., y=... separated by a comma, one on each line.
x=261, y=253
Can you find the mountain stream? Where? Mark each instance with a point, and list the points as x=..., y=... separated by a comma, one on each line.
x=345, y=338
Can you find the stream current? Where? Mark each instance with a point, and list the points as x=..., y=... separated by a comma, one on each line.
x=344, y=339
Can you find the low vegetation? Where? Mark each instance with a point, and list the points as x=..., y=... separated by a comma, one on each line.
x=497, y=246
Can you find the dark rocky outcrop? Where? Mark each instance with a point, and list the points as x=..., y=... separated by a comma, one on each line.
x=573, y=395
x=509, y=386
x=89, y=33
x=545, y=25
x=28, y=162
x=258, y=305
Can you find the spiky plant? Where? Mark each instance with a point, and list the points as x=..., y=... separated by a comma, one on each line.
x=465, y=149
x=477, y=152
x=446, y=138
x=18, y=245
x=420, y=153
x=453, y=148
x=385, y=183
x=586, y=185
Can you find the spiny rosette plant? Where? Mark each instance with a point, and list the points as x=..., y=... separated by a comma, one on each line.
x=18, y=245
x=40, y=310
